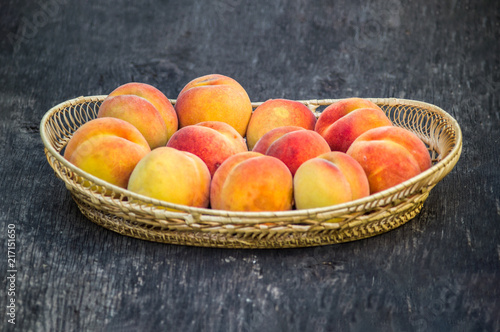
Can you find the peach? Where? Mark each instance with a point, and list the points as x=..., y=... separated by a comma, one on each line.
x=329, y=179
x=212, y=141
x=107, y=148
x=292, y=145
x=251, y=181
x=265, y=141
x=214, y=97
x=173, y=176
x=389, y=155
x=275, y=113
x=155, y=97
x=140, y=113
x=343, y=121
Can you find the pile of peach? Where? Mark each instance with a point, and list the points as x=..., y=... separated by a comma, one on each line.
x=214, y=150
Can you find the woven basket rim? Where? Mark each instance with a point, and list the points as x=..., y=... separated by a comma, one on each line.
x=234, y=216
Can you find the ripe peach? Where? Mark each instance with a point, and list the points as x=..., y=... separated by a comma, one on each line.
x=212, y=141
x=329, y=179
x=389, y=155
x=343, y=121
x=173, y=176
x=140, y=113
x=275, y=113
x=155, y=97
x=107, y=148
x=250, y=181
x=292, y=145
x=214, y=98
x=266, y=140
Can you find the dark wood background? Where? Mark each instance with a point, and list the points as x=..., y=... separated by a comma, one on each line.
x=439, y=272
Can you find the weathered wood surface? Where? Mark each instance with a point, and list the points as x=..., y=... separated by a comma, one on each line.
x=440, y=272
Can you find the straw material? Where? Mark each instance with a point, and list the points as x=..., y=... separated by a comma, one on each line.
x=141, y=217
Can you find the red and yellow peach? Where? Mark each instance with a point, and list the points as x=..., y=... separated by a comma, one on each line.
x=155, y=97
x=214, y=97
x=276, y=113
x=329, y=179
x=140, y=113
x=292, y=145
x=250, y=181
x=343, y=121
x=389, y=155
x=173, y=176
x=212, y=141
x=107, y=148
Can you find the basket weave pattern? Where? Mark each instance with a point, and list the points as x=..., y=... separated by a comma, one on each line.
x=141, y=217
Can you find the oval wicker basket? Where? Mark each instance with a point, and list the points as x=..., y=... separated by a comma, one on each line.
x=141, y=217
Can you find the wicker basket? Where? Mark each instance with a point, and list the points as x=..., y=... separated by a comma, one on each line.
x=142, y=217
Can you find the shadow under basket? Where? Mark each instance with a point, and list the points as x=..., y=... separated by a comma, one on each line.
x=149, y=219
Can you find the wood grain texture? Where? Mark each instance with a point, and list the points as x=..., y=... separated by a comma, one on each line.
x=439, y=272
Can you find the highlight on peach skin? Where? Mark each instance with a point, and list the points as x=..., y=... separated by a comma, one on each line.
x=329, y=179
x=343, y=121
x=212, y=141
x=140, y=113
x=214, y=97
x=275, y=113
x=292, y=145
x=250, y=181
x=389, y=156
x=155, y=97
x=173, y=176
x=108, y=149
